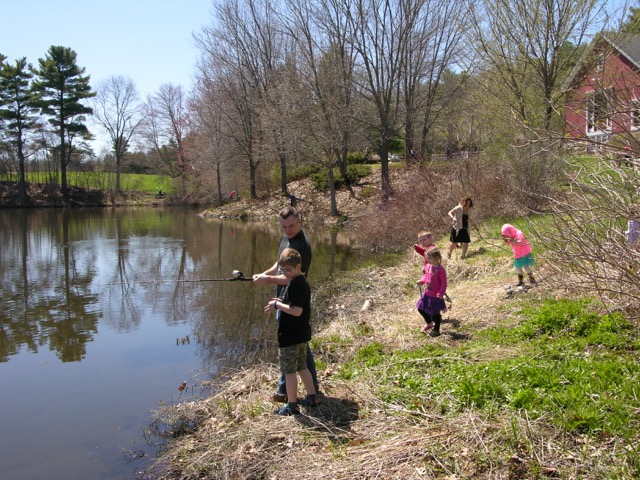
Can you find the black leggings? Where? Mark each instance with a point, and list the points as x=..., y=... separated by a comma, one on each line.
x=435, y=317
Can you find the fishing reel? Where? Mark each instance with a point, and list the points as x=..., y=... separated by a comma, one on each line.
x=237, y=274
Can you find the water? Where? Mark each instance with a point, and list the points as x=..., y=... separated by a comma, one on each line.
x=96, y=331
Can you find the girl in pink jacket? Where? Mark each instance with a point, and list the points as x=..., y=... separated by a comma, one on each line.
x=521, y=251
x=431, y=303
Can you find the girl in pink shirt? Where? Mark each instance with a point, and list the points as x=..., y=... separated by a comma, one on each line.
x=431, y=303
x=523, y=261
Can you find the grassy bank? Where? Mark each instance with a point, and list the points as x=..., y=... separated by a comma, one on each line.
x=100, y=180
x=531, y=385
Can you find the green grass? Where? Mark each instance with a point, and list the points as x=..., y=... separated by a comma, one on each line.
x=562, y=361
x=535, y=227
x=103, y=180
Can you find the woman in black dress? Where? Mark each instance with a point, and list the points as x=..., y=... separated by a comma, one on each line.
x=459, y=216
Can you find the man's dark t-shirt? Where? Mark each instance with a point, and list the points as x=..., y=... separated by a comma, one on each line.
x=302, y=245
x=294, y=330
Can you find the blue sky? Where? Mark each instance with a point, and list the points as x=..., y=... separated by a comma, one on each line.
x=150, y=42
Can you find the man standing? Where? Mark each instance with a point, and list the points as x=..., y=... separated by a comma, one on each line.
x=293, y=237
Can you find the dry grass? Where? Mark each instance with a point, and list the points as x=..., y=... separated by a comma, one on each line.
x=353, y=434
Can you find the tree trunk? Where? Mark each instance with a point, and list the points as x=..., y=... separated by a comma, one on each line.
x=283, y=170
x=63, y=168
x=22, y=179
x=332, y=190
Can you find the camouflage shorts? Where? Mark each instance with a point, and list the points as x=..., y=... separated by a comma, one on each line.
x=293, y=359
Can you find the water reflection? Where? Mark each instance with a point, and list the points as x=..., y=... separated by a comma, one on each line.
x=95, y=329
x=63, y=272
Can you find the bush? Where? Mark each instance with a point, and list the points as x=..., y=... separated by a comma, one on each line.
x=320, y=180
x=586, y=237
x=356, y=158
x=535, y=174
x=303, y=171
x=424, y=198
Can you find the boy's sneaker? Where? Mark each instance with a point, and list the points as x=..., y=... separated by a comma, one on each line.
x=435, y=333
x=280, y=397
x=308, y=402
x=286, y=411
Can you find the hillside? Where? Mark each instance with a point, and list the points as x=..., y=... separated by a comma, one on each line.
x=314, y=205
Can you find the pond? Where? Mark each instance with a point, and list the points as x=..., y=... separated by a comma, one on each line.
x=105, y=312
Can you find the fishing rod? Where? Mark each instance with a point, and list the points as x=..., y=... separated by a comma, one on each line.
x=238, y=276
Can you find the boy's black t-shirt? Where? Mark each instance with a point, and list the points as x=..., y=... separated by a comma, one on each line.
x=294, y=330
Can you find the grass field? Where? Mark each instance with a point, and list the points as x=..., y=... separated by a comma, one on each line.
x=102, y=180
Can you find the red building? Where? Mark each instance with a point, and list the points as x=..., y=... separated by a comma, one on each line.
x=603, y=90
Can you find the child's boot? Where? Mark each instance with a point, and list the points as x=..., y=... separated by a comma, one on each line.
x=426, y=328
x=520, y=280
x=532, y=279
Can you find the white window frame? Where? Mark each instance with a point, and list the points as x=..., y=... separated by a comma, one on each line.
x=598, y=122
x=634, y=115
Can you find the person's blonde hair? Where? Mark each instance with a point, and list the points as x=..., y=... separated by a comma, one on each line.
x=424, y=233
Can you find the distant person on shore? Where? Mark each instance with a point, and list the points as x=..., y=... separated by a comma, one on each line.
x=460, y=224
x=431, y=303
x=523, y=257
x=293, y=312
x=293, y=237
x=293, y=200
x=232, y=195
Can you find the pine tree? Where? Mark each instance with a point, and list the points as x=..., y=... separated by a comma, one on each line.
x=632, y=24
x=17, y=113
x=61, y=87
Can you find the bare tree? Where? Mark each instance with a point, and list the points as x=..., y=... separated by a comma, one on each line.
x=117, y=110
x=241, y=51
x=214, y=151
x=325, y=63
x=165, y=129
x=434, y=44
x=531, y=46
x=381, y=30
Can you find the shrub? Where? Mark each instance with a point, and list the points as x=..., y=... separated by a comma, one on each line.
x=423, y=200
x=320, y=179
x=303, y=171
x=354, y=158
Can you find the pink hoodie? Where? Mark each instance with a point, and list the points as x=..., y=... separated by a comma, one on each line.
x=518, y=242
x=435, y=279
